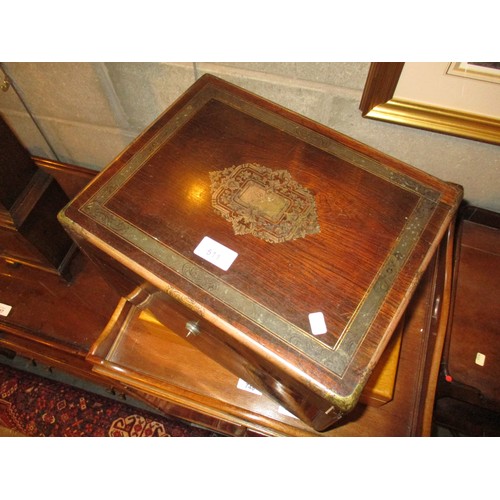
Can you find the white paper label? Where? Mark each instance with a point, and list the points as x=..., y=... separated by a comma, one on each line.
x=215, y=253
x=5, y=309
x=317, y=322
x=247, y=387
x=284, y=411
x=480, y=359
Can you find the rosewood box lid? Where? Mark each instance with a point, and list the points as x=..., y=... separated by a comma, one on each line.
x=303, y=242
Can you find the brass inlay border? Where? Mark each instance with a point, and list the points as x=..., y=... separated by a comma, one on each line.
x=335, y=359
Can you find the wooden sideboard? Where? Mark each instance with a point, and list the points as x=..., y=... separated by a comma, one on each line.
x=30, y=199
x=58, y=324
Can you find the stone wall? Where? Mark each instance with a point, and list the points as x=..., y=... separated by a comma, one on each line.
x=86, y=113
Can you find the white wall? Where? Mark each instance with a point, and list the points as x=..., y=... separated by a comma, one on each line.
x=89, y=112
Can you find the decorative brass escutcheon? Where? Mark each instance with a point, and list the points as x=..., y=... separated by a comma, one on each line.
x=264, y=202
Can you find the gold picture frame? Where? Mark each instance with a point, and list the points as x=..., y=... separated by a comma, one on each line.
x=380, y=101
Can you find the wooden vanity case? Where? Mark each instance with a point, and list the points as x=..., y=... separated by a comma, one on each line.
x=283, y=250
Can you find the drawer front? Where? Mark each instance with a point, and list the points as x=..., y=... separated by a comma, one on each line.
x=267, y=374
x=308, y=398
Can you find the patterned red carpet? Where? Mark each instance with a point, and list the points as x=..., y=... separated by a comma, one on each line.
x=35, y=406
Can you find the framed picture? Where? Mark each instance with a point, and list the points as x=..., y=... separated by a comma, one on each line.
x=461, y=99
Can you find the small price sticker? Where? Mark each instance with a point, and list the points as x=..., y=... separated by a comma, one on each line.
x=284, y=411
x=215, y=253
x=244, y=386
x=317, y=323
x=480, y=359
x=5, y=309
